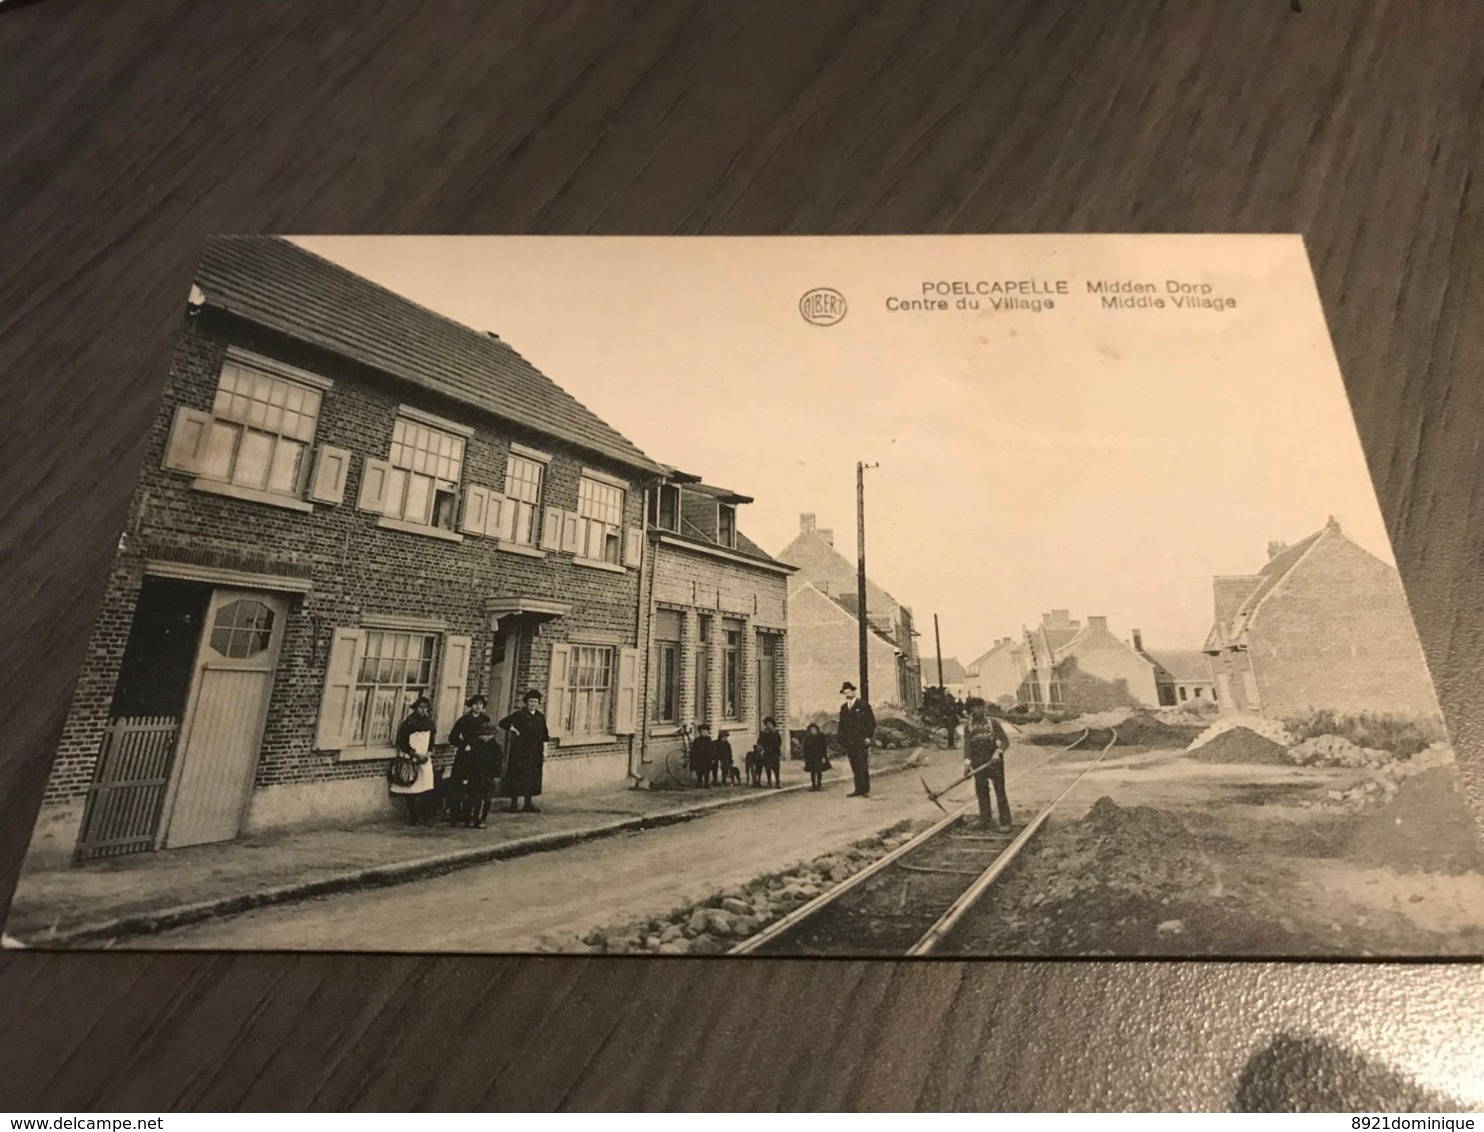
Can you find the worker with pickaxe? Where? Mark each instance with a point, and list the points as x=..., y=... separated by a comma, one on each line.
x=984, y=762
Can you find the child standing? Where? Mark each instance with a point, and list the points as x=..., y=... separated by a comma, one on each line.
x=723, y=762
x=770, y=742
x=816, y=756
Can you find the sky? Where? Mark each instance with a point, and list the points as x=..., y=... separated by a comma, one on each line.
x=1109, y=462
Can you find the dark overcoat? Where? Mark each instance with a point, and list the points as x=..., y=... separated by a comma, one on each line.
x=771, y=744
x=857, y=725
x=525, y=752
x=816, y=752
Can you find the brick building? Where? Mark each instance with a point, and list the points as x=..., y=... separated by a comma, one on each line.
x=1183, y=676
x=346, y=501
x=824, y=651
x=1323, y=624
x=820, y=565
x=717, y=642
x=1068, y=666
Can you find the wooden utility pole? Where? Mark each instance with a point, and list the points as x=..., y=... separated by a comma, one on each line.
x=860, y=576
x=938, y=640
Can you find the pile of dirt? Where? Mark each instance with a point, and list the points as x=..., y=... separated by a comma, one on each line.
x=1142, y=730
x=1239, y=745
x=894, y=734
x=1427, y=826
x=1267, y=728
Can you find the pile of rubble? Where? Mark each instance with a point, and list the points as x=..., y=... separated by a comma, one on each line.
x=1336, y=750
x=721, y=921
x=1267, y=728
x=1386, y=777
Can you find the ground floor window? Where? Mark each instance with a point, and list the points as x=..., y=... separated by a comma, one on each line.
x=666, y=666
x=731, y=684
x=589, y=696
x=396, y=669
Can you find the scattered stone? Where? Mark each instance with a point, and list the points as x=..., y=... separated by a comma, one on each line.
x=595, y=938
x=1171, y=927
x=676, y=947
x=670, y=934
x=699, y=919
x=743, y=926
x=736, y=905
x=706, y=945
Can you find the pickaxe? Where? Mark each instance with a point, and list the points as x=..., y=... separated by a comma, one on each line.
x=934, y=795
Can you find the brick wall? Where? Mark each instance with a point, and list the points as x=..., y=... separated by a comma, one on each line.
x=357, y=568
x=1337, y=633
x=698, y=583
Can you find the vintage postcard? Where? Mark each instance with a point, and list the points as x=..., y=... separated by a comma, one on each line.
x=893, y=596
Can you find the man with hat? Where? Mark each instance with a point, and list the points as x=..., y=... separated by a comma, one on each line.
x=857, y=726
x=984, y=757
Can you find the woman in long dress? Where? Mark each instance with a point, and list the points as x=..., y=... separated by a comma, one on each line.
x=463, y=782
x=415, y=738
x=524, y=753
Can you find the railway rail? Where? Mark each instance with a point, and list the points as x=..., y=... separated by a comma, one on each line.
x=908, y=901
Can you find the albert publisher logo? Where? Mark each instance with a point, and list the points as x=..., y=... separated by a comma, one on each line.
x=823, y=306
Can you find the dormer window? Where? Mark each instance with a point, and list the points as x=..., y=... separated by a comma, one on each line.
x=726, y=525
x=664, y=508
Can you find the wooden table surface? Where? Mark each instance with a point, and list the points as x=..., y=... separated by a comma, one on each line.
x=128, y=132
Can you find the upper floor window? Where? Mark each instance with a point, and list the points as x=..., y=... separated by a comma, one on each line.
x=600, y=520
x=664, y=508
x=426, y=466
x=726, y=525
x=261, y=429
x=523, y=490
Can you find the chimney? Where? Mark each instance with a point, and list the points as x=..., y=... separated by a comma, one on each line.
x=1100, y=623
x=806, y=523
x=1057, y=619
x=1332, y=523
x=1275, y=549
x=1138, y=640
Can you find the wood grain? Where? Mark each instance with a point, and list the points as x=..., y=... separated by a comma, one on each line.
x=130, y=131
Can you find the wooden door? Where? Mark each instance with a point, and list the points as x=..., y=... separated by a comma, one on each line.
x=224, y=718
x=503, y=688
x=767, y=660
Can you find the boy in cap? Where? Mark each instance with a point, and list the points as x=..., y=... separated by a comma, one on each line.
x=702, y=759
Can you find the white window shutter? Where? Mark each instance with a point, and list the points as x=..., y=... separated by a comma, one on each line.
x=571, y=532
x=626, y=710
x=453, y=677
x=633, y=546
x=500, y=519
x=331, y=469
x=375, y=476
x=335, y=723
x=556, y=689
x=476, y=510
x=186, y=449
x=551, y=529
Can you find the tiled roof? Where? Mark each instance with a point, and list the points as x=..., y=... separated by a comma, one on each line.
x=278, y=284
x=953, y=671
x=1185, y=665
x=1269, y=576
x=848, y=603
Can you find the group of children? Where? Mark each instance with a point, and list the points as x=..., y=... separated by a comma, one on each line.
x=714, y=764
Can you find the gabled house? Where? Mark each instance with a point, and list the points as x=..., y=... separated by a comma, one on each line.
x=995, y=676
x=347, y=502
x=953, y=675
x=1323, y=624
x=818, y=563
x=1182, y=676
x=1068, y=666
x=824, y=651
x=717, y=642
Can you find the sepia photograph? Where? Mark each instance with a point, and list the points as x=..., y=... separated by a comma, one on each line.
x=910, y=596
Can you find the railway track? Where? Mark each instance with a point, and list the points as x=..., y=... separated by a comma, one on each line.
x=908, y=901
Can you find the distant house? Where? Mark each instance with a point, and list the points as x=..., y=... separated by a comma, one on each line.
x=717, y=630
x=824, y=651
x=820, y=565
x=1183, y=676
x=995, y=675
x=953, y=676
x=1067, y=666
x=1324, y=624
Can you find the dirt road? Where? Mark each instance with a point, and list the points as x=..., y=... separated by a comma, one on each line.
x=513, y=905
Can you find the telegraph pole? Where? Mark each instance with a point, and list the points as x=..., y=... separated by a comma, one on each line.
x=860, y=575
x=938, y=640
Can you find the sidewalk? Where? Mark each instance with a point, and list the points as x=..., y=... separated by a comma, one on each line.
x=150, y=892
